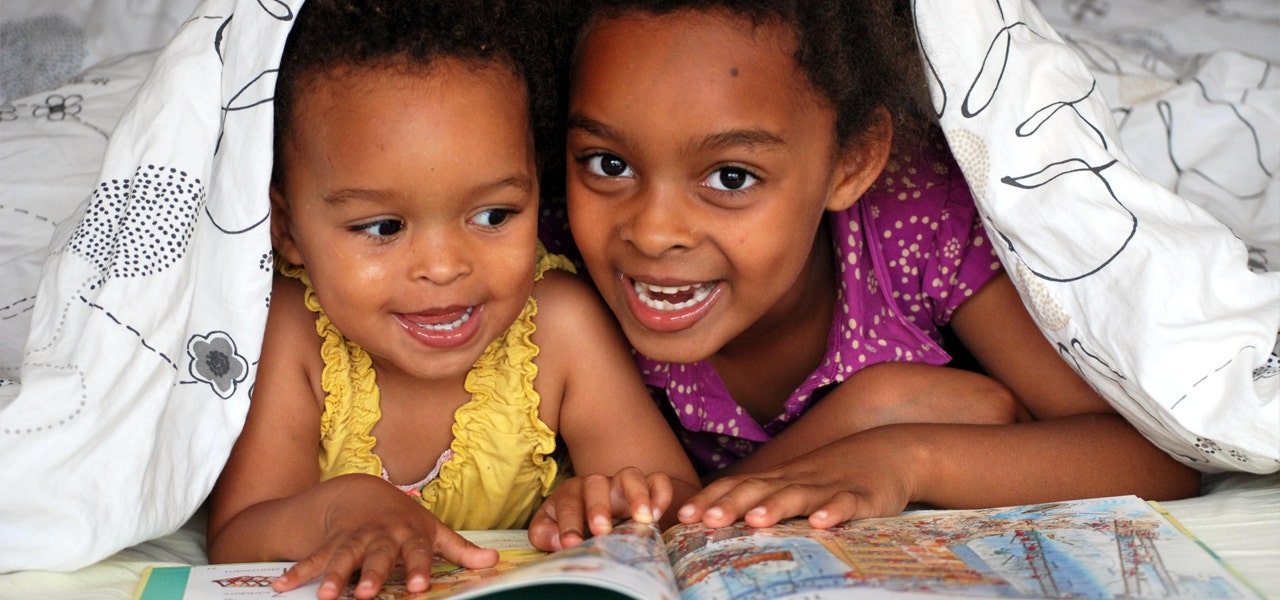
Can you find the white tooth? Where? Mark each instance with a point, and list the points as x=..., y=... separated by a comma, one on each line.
x=643, y=291
x=466, y=316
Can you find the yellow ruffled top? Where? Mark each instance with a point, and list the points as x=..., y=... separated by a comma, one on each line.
x=501, y=466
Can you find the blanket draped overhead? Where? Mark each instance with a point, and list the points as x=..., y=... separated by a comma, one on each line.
x=148, y=317
x=151, y=307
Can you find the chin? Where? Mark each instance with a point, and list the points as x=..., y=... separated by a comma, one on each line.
x=681, y=348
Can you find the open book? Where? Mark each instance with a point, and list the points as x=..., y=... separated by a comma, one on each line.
x=1121, y=547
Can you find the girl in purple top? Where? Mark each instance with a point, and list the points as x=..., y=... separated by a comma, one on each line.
x=907, y=254
x=785, y=278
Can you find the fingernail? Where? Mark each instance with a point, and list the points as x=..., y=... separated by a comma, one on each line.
x=603, y=521
x=714, y=512
x=758, y=511
x=686, y=511
x=642, y=515
x=820, y=515
x=657, y=514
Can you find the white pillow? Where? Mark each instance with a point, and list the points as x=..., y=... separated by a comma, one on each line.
x=43, y=44
x=53, y=143
x=148, y=321
x=1173, y=31
x=1146, y=294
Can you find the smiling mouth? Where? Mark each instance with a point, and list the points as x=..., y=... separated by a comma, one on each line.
x=447, y=325
x=672, y=298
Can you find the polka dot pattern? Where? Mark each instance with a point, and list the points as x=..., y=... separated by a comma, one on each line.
x=140, y=226
x=1049, y=314
x=909, y=252
x=971, y=154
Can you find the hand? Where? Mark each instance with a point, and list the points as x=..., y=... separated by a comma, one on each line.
x=864, y=475
x=595, y=500
x=372, y=527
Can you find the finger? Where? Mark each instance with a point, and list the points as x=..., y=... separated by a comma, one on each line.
x=419, y=555
x=379, y=557
x=597, y=497
x=660, y=493
x=841, y=507
x=310, y=568
x=790, y=501
x=301, y=572
x=734, y=503
x=853, y=504
x=696, y=506
x=635, y=490
x=544, y=531
x=558, y=523
x=570, y=516
x=460, y=551
x=725, y=500
x=343, y=561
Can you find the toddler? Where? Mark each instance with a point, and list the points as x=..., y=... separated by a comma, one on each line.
x=426, y=366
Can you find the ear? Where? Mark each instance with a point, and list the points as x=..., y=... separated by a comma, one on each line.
x=282, y=229
x=859, y=164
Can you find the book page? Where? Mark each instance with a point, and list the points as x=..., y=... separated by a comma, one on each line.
x=628, y=563
x=1102, y=548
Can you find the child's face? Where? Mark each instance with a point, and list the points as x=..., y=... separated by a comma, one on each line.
x=411, y=198
x=701, y=163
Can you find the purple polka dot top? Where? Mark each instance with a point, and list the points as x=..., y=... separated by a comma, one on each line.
x=909, y=252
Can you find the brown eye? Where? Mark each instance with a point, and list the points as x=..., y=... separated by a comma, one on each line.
x=608, y=165
x=493, y=217
x=382, y=228
x=731, y=179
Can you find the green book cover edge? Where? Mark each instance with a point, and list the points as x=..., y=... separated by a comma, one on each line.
x=163, y=583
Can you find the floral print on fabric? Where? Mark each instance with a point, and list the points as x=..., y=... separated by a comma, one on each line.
x=214, y=361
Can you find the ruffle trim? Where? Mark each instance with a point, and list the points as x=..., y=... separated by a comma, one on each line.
x=348, y=373
x=509, y=358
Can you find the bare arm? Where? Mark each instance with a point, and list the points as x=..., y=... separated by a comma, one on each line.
x=269, y=503
x=258, y=509
x=1077, y=446
x=617, y=438
x=884, y=394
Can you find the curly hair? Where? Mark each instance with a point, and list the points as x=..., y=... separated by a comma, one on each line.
x=858, y=54
x=520, y=35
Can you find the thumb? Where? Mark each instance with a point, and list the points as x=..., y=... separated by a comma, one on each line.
x=460, y=551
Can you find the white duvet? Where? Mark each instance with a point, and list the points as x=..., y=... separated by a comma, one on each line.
x=1129, y=168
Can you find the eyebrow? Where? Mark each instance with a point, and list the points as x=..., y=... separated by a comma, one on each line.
x=594, y=127
x=740, y=138
x=734, y=138
x=345, y=195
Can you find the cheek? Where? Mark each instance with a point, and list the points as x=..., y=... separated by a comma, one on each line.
x=587, y=225
x=350, y=281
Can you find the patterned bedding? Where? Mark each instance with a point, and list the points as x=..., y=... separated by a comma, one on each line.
x=1124, y=153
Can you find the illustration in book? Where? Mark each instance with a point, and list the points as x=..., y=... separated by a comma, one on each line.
x=1121, y=547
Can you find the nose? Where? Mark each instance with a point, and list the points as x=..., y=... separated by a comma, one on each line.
x=441, y=257
x=659, y=221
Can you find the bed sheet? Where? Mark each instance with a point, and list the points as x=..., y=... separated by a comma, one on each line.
x=1238, y=517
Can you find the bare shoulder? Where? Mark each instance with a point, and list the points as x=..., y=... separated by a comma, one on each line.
x=288, y=316
x=580, y=346
x=290, y=345
x=569, y=309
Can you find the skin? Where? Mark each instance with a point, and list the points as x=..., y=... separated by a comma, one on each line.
x=702, y=160
x=397, y=234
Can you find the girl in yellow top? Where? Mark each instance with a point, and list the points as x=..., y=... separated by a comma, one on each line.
x=419, y=338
